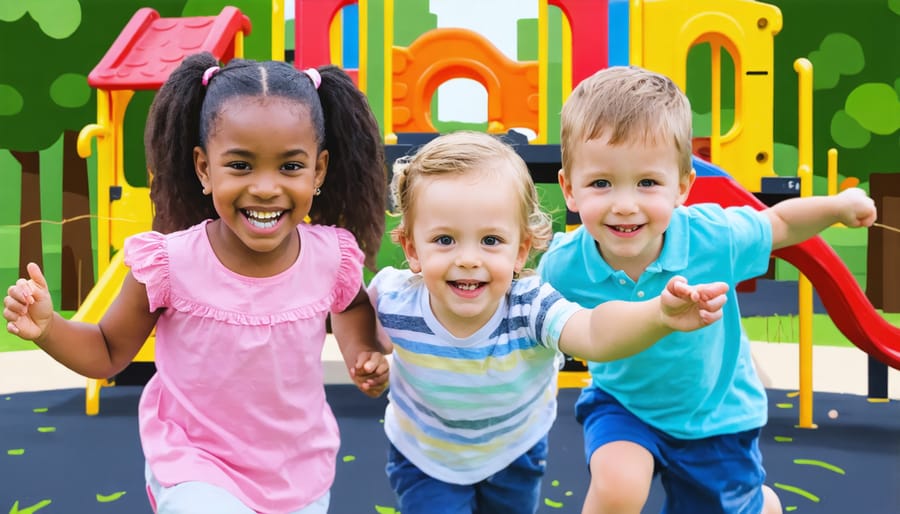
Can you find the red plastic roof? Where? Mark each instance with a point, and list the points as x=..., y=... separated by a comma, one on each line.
x=150, y=47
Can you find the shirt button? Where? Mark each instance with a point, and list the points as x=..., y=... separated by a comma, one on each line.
x=622, y=281
x=640, y=294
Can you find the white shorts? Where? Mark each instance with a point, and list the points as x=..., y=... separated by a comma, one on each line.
x=200, y=498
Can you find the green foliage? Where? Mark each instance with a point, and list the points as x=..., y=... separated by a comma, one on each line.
x=852, y=46
x=56, y=18
x=875, y=107
x=838, y=54
x=70, y=90
x=11, y=100
x=847, y=132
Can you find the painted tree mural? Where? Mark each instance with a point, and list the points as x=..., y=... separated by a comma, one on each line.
x=47, y=99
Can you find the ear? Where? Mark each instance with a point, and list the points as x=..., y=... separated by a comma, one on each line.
x=412, y=257
x=522, y=255
x=566, y=187
x=321, y=168
x=201, y=167
x=684, y=186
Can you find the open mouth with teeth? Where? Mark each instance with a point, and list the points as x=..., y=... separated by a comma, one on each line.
x=467, y=286
x=625, y=229
x=263, y=219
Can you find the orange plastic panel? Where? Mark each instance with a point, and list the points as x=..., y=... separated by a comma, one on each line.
x=443, y=54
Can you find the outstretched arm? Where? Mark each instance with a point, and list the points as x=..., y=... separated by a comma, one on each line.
x=618, y=329
x=798, y=219
x=364, y=353
x=93, y=350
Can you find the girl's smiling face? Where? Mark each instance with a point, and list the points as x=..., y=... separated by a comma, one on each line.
x=262, y=166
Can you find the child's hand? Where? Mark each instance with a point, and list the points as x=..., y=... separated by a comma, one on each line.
x=28, y=308
x=686, y=307
x=857, y=209
x=371, y=373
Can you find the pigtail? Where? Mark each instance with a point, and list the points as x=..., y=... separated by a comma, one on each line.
x=170, y=135
x=353, y=195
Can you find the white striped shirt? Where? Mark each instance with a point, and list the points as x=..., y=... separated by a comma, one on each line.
x=462, y=409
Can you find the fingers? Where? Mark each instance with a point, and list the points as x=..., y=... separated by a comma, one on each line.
x=370, y=373
x=34, y=271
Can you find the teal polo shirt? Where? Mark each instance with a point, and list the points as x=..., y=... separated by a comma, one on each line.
x=689, y=384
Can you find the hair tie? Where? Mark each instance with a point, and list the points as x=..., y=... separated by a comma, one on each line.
x=315, y=76
x=208, y=74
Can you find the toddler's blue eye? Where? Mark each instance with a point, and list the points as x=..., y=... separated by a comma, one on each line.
x=445, y=240
x=647, y=182
x=491, y=241
x=601, y=183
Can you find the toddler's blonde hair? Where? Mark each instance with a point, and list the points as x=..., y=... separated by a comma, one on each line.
x=459, y=153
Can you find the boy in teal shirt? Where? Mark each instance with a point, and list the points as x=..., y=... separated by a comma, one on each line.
x=691, y=406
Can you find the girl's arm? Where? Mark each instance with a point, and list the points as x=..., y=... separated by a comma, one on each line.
x=364, y=354
x=618, y=329
x=798, y=219
x=93, y=350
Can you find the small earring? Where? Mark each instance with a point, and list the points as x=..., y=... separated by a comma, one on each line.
x=206, y=190
x=318, y=191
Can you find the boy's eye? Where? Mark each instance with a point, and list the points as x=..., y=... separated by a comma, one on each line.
x=444, y=240
x=600, y=183
x=647, y=182
x=491, y=241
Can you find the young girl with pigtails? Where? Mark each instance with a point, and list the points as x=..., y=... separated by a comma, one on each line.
x=268, y=186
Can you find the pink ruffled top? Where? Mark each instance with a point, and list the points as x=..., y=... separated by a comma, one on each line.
x=238, y=400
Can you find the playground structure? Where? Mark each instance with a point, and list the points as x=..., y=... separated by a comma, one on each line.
x=660, y=35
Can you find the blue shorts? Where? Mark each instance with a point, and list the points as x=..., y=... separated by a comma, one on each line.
x=718, y=474
x=516, y=488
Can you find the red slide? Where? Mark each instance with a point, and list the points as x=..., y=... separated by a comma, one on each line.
x=850, y=310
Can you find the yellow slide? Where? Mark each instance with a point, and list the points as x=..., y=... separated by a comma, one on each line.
x=92, y=309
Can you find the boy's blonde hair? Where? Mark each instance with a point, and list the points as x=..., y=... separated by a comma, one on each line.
x=459, y=153
x=629, y=105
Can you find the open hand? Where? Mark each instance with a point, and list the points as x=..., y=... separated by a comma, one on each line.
x=27, y=307
x=371, y=372
x=686, y=307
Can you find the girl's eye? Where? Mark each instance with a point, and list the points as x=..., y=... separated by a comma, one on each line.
x=239, y=165
x=444, y=240
x=600, y=183
x=491, y=241
x=647, y=182
x=292, y=166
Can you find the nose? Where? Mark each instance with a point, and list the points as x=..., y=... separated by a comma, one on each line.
x=468, y=256
x=265, y=185
x=624, y=202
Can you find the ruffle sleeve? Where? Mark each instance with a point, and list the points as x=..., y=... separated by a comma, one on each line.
x=349, y=273
x=148, y=257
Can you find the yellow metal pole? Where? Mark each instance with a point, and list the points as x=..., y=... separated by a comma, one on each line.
x=636, y=33
x=543, y=69
x=277, y=30
x=832, y=171
x=390, y=137
x=715, y=135
x=805, y=313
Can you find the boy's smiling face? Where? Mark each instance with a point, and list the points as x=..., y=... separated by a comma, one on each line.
x=466, y=240
x=625, y=195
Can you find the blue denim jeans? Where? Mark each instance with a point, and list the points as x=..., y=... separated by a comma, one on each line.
x=515, y=489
